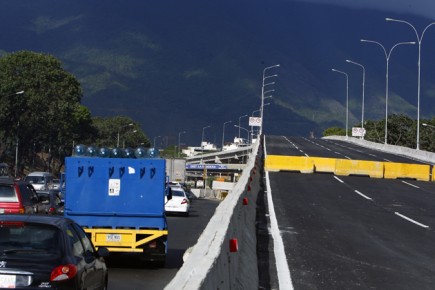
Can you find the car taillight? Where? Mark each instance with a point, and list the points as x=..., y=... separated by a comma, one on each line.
x=21, y=210
x=51, y=210
x=152, y=244
x=184, y=201
x=63, y=272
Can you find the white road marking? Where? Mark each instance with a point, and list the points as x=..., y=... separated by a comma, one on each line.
x=282, y=269
x=387, y=160
x=411, y=220
x=348, y=157
x=363, y=195
x=410, y=184
x=338, y=179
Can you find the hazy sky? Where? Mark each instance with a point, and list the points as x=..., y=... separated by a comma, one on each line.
x=419, y=7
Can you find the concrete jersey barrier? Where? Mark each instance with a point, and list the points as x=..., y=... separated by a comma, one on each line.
x=210, y=264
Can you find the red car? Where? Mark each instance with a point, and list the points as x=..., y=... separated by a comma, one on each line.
x=18, y=197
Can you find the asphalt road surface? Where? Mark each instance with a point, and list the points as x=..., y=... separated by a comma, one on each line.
x=351, y=232
x=299, y=146
x=126, y=271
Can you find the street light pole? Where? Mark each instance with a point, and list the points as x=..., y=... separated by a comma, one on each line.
x=419, y=40
x=16, y=151
x=239, y=122
x=347, y=98
x=247, y=131
x=223, y=133
x=387, y=57
x=117, y=143
x=154, y=146
x=179, y=137
x=202, y=139
x=262, y=92
x=17, y=137
x=363, y=84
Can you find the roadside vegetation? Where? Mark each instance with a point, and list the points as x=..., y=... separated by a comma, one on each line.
x=402, y=131
x=42, y=118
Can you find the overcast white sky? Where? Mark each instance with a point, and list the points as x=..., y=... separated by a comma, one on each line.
x=418, y=7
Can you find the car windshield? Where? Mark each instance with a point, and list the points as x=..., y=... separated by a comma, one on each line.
x=7, y=193
x=20, y=238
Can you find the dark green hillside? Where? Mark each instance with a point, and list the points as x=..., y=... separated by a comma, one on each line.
x=181, y=65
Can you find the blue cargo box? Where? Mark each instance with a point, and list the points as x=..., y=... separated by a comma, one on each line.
x=115, y=192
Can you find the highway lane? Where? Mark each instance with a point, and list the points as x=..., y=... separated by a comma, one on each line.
x=355, y=232
x=300, y=146
x=350, y=232
x=126, y=271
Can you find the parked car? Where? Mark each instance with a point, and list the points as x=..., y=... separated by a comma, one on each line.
x=49, y=252
x=179, y=203
x=40, y=180
x=18, y=197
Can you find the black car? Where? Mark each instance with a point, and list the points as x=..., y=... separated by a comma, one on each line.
x=48, y=252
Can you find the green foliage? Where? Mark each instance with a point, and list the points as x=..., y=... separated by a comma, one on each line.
x=337, y=131
x=402, y=131
x=46, y=114
x=118, y=131
x=169, y=152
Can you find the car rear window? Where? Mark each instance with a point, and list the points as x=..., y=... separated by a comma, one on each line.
x=7, y=193
x=177, y=192
x=28, y=238
x=35, y=179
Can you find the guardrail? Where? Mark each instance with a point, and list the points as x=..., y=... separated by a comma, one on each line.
x=225, y=255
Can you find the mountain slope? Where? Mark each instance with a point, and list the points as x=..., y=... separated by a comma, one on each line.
x=182, y=65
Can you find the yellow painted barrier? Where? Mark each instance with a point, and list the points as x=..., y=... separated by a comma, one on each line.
x=346, y=167
x=289, y=163
x=404, y=170
x=322, y=164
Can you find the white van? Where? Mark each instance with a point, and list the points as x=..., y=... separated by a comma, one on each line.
x=40, y=180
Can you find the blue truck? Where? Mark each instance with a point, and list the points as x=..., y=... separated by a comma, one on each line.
x=120, y=203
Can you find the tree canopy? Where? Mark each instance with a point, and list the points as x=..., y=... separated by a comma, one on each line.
x=41, y=111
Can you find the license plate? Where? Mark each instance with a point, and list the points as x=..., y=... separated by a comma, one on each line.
x=113, y=237
x=7, y=281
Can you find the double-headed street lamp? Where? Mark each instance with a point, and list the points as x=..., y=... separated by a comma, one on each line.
x=363, y=84
x=122, y=127
x=347, y=97
x=263, y=92
x=223, y=133
x=179, y=147
x=387, y=57
x=419, y=40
